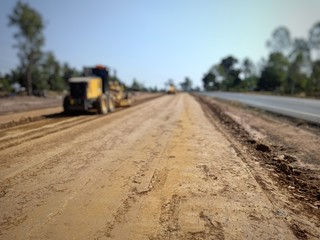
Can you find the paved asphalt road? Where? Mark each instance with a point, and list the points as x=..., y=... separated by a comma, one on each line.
x=306, y=109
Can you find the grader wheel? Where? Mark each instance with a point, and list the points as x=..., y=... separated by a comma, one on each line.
x=102, y=106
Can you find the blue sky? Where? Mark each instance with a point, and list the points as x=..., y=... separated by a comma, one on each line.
x=153, y=41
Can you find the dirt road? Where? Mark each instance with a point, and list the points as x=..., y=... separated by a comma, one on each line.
x=158, y=170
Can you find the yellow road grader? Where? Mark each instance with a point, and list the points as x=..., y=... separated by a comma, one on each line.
x=95, y=91
x=172, y=89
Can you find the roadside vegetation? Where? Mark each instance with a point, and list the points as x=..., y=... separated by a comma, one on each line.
x=39, y=71
x=292, y=68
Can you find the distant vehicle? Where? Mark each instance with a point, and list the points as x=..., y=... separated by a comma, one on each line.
x=95, y=91
x=172, y=89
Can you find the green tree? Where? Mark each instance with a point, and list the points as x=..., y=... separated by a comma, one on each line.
x=29, y=38
x=68, y=72
x=229, y=73
x=249, y=83
x=301, y=47
x=297, y=80
x=153, y=89
x=5, y=84
x=314, y=38
x=40, y=82
x=52, y=72
x=300, y=60
x=186, y=85
x=314, y=85
x=247, y=68
x=210, y=82
x=16, y=76
x=137, y=86
x=280, y=40
x=228, y=63
x=274, y=74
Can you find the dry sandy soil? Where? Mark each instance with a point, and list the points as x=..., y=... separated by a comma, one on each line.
x=24, y=109
x=14, y=104
x=174, y=167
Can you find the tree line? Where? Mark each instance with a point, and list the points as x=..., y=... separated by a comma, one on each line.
x=290, y=68
x=38, y=70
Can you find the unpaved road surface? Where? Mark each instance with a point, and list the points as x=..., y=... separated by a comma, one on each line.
x=163, y=169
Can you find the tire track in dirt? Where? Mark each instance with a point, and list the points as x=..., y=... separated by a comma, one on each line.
x=75, y=166
x=169, y=218
x=111, y=142
x=191, y=194
x=170, y=223
x=38, y=132
x=144, y=180
x=44, y=125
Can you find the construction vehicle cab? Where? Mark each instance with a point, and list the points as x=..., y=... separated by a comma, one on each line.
x=171, y=89
x=92, y=92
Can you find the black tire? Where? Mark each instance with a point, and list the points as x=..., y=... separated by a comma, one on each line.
x=66, y=105
x=102, y=106
x=111, y=104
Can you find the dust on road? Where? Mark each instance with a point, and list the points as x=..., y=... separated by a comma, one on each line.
x=159, y=170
